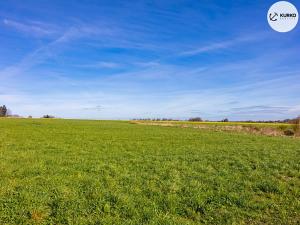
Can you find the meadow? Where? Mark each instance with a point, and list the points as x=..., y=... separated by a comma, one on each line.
x=55, y=171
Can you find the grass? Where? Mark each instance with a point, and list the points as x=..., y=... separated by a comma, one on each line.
x=114, y=172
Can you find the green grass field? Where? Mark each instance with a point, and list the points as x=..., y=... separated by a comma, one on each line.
x=115, y=172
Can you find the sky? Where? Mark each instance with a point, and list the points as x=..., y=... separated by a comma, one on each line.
x=147, y=59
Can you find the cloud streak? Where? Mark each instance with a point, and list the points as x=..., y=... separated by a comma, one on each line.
x=260, y=109
x=54, y=47
x=101, y=64
x=221, y=45
x=32, y=28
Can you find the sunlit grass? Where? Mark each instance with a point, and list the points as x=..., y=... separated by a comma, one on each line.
x=111, y=172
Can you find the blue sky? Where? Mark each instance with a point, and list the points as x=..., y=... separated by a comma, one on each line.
x=133, y=59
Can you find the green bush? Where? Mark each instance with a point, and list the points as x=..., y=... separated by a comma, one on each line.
x=289, y=132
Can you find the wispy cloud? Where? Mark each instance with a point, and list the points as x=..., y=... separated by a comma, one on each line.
x=111, y=101
x=32, y=28
x=38, y=56
x=148, y=64
x=93, y=108
x=54, y=47
x=260, y=109
x=102, y=64
x=221, y=45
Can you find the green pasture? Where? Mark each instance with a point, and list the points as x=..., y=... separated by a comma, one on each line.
x=56, y=171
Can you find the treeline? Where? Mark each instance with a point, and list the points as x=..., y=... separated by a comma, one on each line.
x=290, y=121
x=4, y=111
x=199, y=119
x=156, y=119
x=193, y=119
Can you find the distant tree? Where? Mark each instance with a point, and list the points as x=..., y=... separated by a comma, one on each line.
x=294, y=121
x=225, y=120
x=297, y=126
x=3, y=111
x=48, y=116
x=195, y=119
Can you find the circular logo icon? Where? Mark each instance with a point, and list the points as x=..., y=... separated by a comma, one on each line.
x=282, y=16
